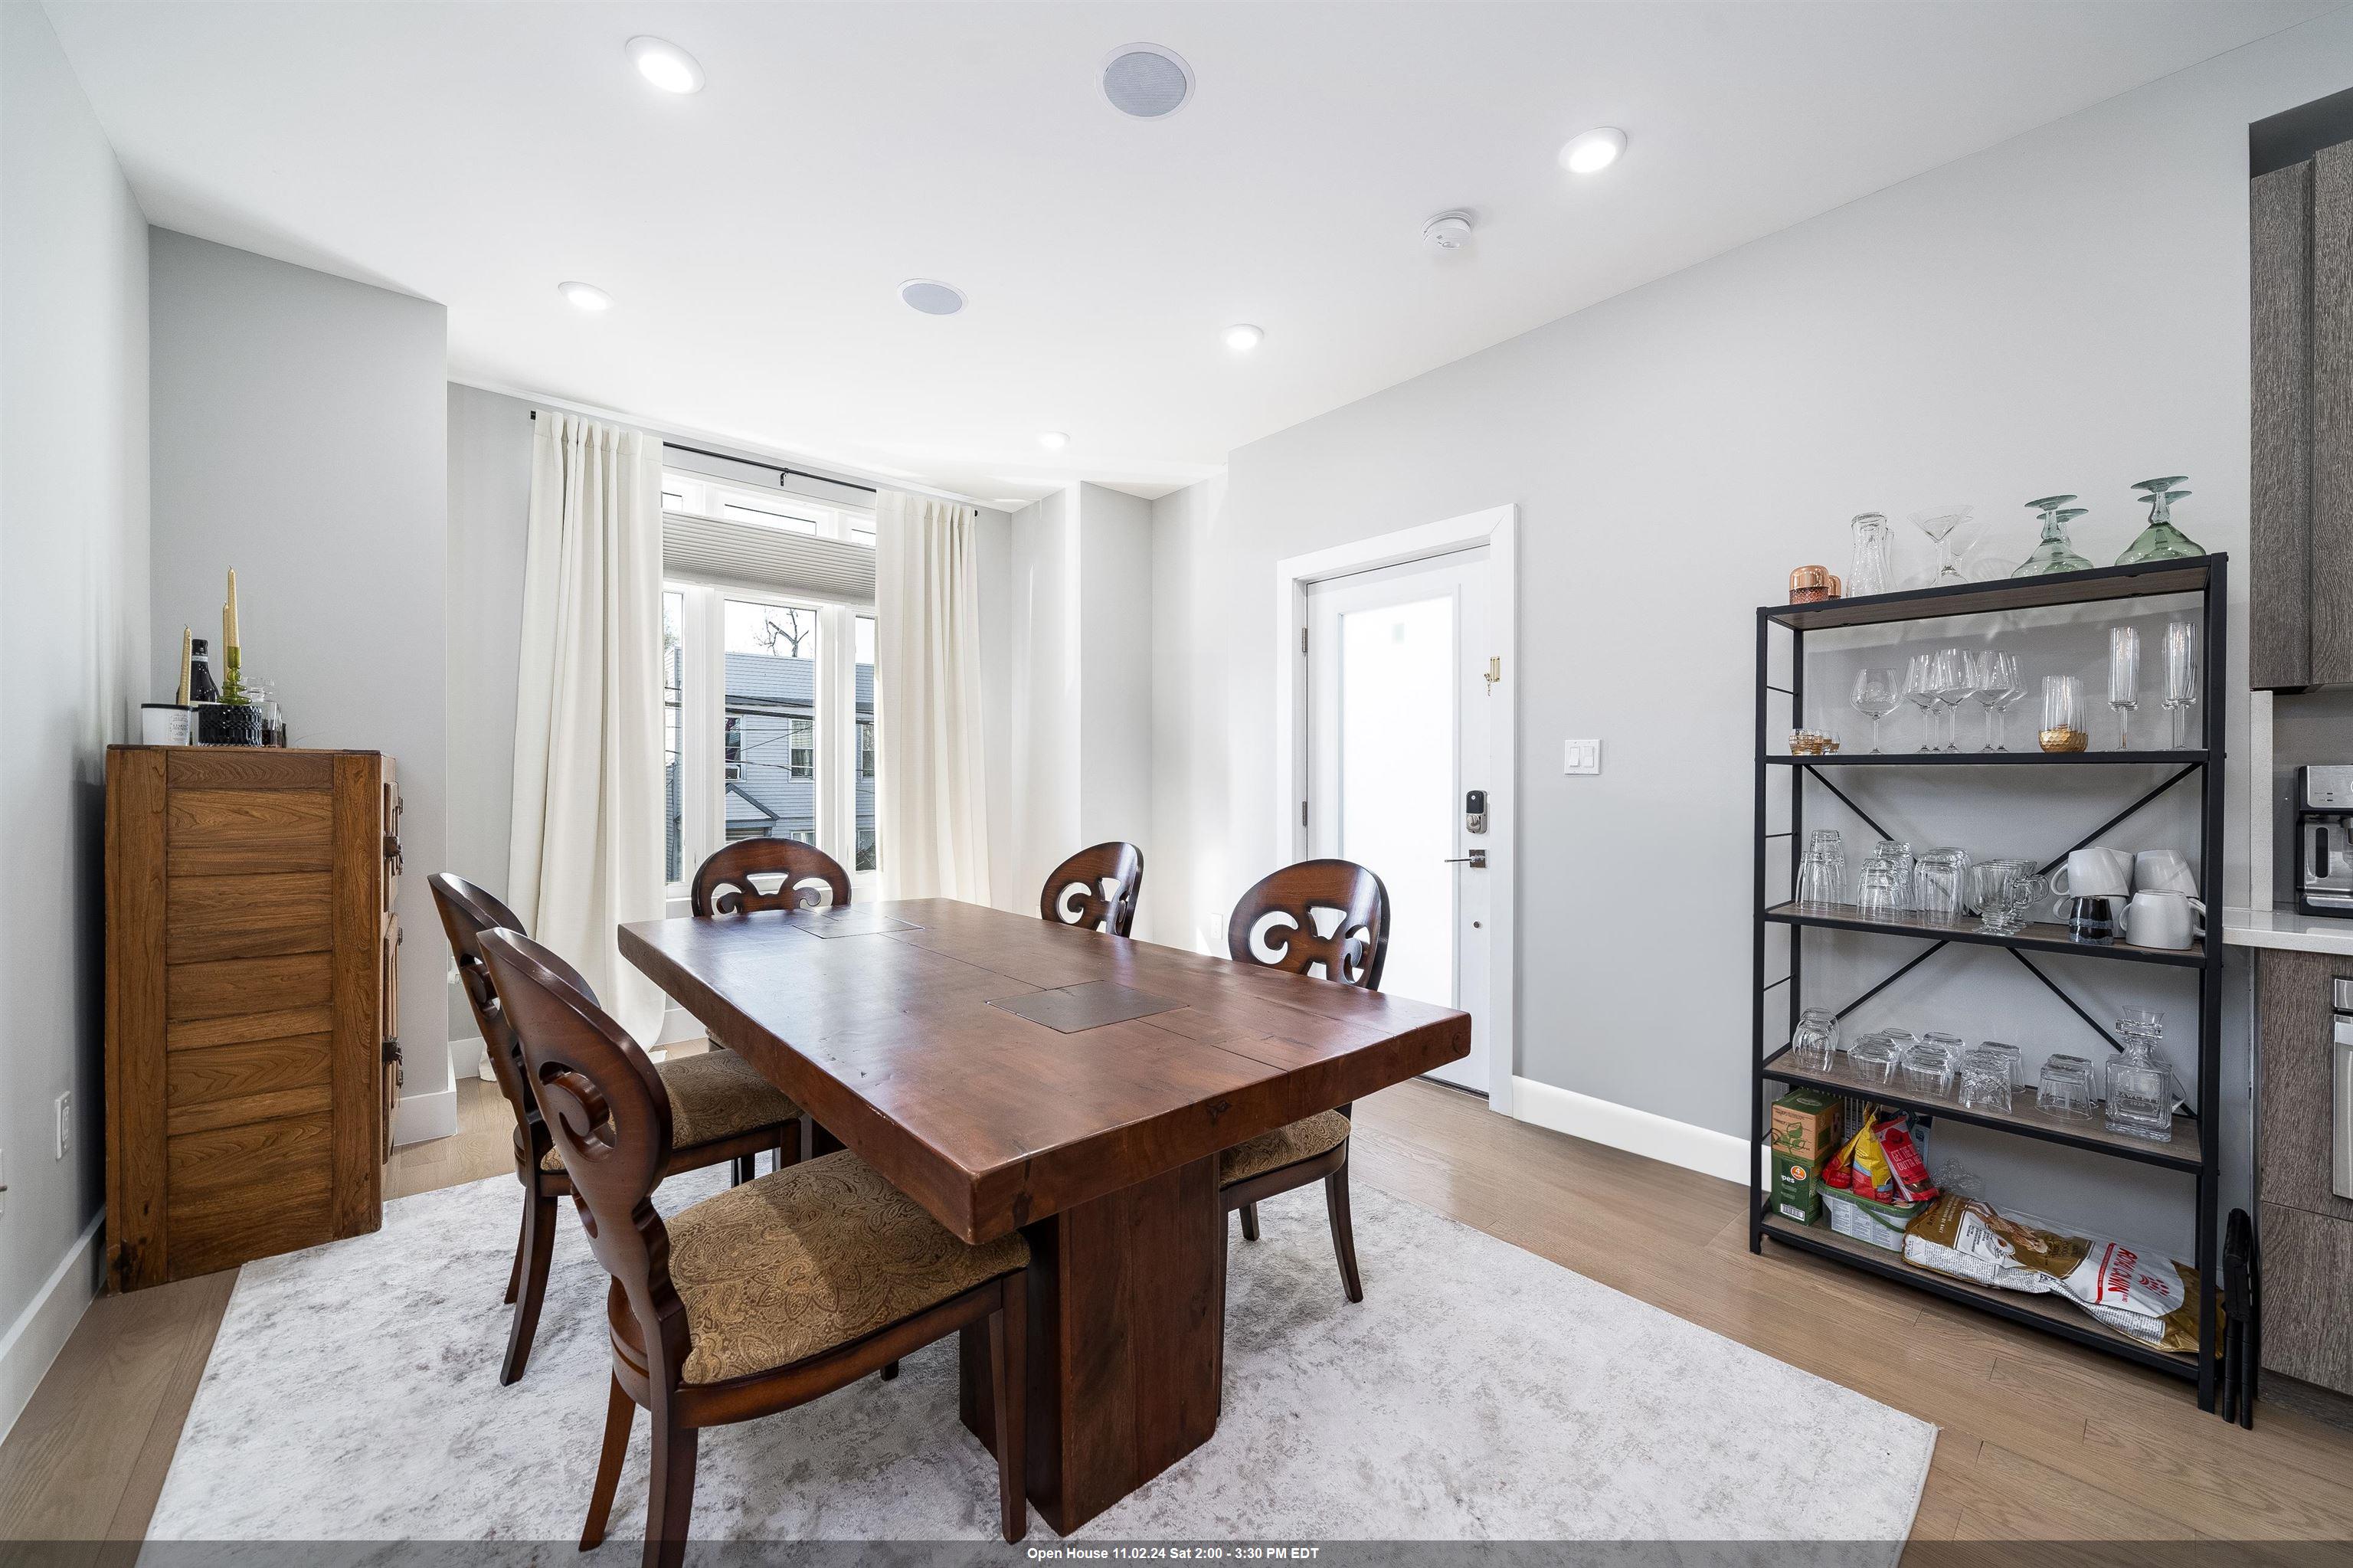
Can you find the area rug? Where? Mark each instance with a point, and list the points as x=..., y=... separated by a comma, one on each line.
x=1479, y=1393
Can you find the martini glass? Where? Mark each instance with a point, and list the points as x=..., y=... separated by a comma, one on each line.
x=2054, y=554
x=1938, y=522
x=2160, y=541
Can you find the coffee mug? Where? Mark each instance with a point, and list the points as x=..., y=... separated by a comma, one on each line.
x=2094, y=872
x=2162, y=918
x=2163, y=871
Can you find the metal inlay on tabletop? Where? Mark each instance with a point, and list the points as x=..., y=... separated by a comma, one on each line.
x=1075, y=1008
x=845, y=923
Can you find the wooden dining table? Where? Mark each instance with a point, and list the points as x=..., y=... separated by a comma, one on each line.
x=1009, y=1073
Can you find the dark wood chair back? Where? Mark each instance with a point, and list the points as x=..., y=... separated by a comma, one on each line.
x=724, y=884
x=609, y=1114
x=1356, y=948
x=1074, y=895
x=468, y=911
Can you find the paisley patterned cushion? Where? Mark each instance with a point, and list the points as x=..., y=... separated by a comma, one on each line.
x=712, y=1095
x=814, y=1256
x=1285, y=1146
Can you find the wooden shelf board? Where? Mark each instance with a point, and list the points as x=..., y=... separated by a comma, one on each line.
x=2041, y=935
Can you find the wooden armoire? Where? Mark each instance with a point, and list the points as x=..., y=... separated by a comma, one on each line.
x=251, y=1053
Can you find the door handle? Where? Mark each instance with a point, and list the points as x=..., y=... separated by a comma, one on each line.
x=1476, y=860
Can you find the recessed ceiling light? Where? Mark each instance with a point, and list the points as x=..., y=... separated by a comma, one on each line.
x=1053, y=440
x=1594, y=150
x=665, y=65
x=932, y=297
x=586, y=296
x=1147, y=81
x=1241, y=337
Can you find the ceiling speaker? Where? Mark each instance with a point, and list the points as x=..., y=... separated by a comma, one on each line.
x=1147, y=81
x=931, y=298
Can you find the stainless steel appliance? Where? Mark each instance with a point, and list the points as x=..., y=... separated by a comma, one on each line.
x=2323, y=840
x=2341, y=1092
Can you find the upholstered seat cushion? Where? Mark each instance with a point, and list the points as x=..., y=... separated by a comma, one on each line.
x=1302, y=1140
x=712, y=1095
x=819, y=1254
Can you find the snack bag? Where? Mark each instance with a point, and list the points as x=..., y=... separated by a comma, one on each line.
x=2152, y=1300
x=1872, y=1177
x=1895, y=1135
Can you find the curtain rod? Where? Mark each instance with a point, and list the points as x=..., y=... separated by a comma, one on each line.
x=778, y=469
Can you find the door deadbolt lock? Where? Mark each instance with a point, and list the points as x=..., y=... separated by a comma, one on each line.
x=1475, y=811
x=1476, y=860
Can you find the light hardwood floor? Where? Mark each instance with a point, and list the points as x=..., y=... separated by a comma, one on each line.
x=2040, y=1440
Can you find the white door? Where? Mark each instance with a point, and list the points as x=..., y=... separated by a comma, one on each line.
x=1396, y=733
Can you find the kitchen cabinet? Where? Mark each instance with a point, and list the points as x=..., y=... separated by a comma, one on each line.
x=2300, y=518
x=2307, y=1228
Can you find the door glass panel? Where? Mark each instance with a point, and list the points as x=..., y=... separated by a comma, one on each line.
x=1396, y=780
x=673, y=687
x=770, y=764
x=868, y=853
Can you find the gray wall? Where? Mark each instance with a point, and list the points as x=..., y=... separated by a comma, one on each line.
x=299, y=429
x=1114, y=616
x=73, y=647
x=2067, y=311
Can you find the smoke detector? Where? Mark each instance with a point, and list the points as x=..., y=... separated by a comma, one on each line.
x=1448, y=230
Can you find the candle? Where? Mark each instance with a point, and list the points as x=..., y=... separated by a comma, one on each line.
x=187, y=667
x=228, y=613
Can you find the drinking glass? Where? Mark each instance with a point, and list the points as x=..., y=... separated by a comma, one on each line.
x=2065, y=1089
x=1874, y=541
x=1953, y=687
x=1814, y=1046
x=2054, y=554
x=2124, y=679
x=1876, y=1059
x=1920, y=690
x=2013, y=1059
x=1985, y=1083
x=2063, y=714
x=1822, y=875
x=1996, y=674
x=2181, y=677
x=1878, y=891
x=1939, y=523
x=1929, y=1062
x=1875, y=696
x=1937, y=878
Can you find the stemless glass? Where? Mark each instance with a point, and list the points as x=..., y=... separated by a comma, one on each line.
x=1929, y=1062
x=2181, y=677
x=1937, y=878
x=1876, y=1059
x=2124, y=679
x=1953, y=687
x=1985, y=1080
x=1875, y=696
x=1920, y=690
x=2063, y=715
x=2068, y=1089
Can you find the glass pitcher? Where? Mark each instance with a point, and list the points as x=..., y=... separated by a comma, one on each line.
x=1871, y=571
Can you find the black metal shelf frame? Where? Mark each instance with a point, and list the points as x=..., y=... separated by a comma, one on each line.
x=2206, y=577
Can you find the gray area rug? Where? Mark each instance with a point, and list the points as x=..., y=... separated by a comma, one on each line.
x=1479, y=1393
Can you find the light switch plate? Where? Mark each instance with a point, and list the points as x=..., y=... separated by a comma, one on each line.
x=1581, y=757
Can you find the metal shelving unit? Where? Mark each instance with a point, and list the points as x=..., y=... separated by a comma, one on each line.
x=2195, y=1147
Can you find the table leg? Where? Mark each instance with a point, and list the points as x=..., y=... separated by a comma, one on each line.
x=1128, y=1317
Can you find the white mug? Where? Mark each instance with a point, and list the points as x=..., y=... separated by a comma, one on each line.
x=2161, y=918
x=2094, y=872
x=2163, y=871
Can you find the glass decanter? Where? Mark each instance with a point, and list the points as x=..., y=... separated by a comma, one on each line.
x=2054, y=554
x=2140, y=1083
x=2160, y=541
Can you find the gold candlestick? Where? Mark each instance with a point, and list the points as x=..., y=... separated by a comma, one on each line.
x=187, y=668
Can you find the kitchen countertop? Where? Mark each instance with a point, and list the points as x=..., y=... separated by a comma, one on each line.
x=2285, y=928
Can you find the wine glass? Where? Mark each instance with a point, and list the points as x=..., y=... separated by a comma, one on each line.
x=1954, y=685
x=1920, y=690
x=2181, y=677
x=1938, y=522
x=1997, y=676
x=1875, y=696
x=2124, y=679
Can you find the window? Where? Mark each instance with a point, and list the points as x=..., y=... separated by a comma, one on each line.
x=702, y=496
x=769, y=729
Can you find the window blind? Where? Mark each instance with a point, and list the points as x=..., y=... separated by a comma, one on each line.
x=769, y=558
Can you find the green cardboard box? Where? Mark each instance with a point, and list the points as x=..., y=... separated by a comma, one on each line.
x=1805, y=1132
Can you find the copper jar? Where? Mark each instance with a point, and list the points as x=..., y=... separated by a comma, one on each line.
x=1809, y=585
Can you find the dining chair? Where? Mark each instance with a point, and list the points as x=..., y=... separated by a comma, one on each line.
x=724, y=884
x=763, y=1298
x=724, y=1110
x=1074, y=895
x=1283, y=912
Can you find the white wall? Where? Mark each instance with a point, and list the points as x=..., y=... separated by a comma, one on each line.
x=1114, y=614
x=1043, y=583
x=1188, y=860
x=2067, y=311
x=300, y=435
x=73, y=645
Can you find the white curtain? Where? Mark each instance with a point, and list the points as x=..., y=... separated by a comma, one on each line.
x=587, y=851
x=931, y=809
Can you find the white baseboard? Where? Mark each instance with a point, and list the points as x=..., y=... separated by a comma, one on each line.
x=42, y=1328
x=424, y=1114
x=1642, y=1132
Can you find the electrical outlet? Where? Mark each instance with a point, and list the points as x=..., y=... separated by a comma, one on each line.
x=64, y=1123
x=1581, y=757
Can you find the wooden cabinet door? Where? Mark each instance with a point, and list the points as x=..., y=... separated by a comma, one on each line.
x=244, y=1001
x=2296, y=1116
x=2279, y=520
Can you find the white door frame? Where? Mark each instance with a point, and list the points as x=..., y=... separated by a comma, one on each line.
x=1498, y=529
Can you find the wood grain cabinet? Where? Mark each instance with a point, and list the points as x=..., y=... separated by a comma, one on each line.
x=2307, y=1228
x=251, y=957
x=2300, y=519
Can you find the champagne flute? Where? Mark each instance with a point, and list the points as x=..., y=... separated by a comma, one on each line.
x=1953, y=687
x=2181, y=677
x=2124, y=679
x=1920, y=690
x=1875, y=696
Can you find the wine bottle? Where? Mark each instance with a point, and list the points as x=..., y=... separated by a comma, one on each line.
x=201, y=685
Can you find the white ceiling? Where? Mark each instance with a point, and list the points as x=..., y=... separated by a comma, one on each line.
x=753, y=235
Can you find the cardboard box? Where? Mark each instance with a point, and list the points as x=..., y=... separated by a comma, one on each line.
x=1805, y=1132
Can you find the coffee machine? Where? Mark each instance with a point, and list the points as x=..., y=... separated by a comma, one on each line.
x=2323, y=840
